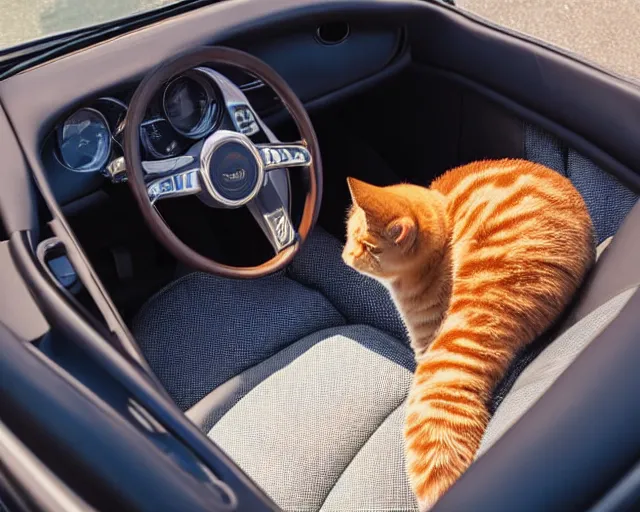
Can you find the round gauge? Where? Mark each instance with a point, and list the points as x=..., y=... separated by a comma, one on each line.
x=84, y=141
x=160, y=140
x=114, y=112
x=190, y=105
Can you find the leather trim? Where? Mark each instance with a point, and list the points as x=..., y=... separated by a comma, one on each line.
x=617, y=269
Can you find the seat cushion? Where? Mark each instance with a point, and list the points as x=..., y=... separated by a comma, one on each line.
x=202, y=330
x=322, y=429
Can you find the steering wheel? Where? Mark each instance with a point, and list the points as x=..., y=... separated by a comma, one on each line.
x=227, y=169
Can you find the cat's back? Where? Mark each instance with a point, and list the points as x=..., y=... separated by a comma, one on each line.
x=489, y=199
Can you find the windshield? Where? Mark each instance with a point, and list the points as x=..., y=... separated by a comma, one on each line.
x=22, y=21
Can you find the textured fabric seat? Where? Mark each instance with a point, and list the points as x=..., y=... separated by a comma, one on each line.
x=310, y=377
x=301, y=377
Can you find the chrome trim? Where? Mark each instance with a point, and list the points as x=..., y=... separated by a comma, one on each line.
x=252, y=86
x=182, y=184
x=277, y=156
x=95, y=168
x=277, y=180
x=210, y=145
x=116, y=170
x=244, y=119
x=270, y=213
x=281, y=228
x=235, y=101
x=166, y=165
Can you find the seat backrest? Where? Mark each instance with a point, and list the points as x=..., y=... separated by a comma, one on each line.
x=617, y=270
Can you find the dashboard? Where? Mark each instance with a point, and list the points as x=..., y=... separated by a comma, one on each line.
x=84, y=146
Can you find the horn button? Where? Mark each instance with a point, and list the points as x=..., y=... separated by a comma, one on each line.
x=231, y=168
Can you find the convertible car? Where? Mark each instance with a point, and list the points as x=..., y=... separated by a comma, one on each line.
x=177, y=329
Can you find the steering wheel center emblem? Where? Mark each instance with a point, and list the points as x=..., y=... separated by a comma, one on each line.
x=235, y=176
x=231, y=168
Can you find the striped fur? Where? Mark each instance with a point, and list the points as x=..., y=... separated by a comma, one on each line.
x=478, y=265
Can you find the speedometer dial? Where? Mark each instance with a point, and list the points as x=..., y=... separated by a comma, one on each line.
x=190, y=105
x=84, y=141
x=160, y=140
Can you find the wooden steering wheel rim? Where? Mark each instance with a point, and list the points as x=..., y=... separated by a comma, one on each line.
x=133, y=158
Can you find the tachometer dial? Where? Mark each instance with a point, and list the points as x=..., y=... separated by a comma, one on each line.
x=84, y=141
x=160, y=140
x=190, y=104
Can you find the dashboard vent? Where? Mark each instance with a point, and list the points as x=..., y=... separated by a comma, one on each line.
x=333, y=33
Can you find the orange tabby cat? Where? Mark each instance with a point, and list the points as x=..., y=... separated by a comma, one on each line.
x=478, y=265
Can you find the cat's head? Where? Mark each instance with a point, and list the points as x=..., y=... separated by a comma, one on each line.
x=391, y=230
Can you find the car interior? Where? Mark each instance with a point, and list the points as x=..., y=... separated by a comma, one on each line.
x=177, y=320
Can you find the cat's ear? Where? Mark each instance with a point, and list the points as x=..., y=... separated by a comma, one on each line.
x=402, y=231
x=362, y=194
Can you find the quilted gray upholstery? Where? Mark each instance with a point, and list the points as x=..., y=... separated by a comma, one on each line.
x=208, y=411
x=187, y=329
x=299, y=429
x=360, y=299
x=202, y=330
x=374, y=480
x=317, y=438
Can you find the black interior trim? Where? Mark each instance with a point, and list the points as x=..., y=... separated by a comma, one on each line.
x=628, y=176
x=596, y=105
x=91, y=444
x=142, y=386
x=17, y=200
x=541, y=463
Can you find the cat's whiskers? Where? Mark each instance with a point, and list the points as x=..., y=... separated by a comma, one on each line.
x=372, y=249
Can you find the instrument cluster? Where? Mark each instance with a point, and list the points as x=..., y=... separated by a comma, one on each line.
x=187, y=109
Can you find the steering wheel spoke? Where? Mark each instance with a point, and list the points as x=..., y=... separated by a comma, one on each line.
x=168, y=165
x=184, y=183
x=270, y=212
x=279, y=156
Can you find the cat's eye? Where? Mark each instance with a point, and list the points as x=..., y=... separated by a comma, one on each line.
x=372, y=248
